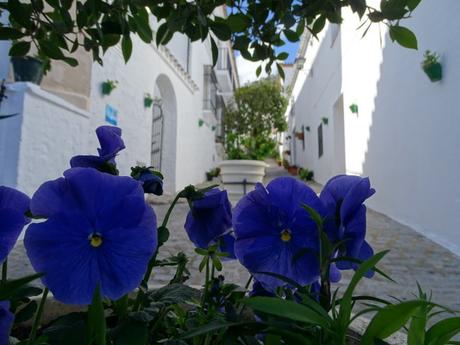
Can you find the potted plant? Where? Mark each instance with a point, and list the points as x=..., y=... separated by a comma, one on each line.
x=108, y=86
x=305, y=174
x=30, y=68
x=148, y=100
x=431, y=66
x=251, y=125
x=211, y=174
x=300, y=135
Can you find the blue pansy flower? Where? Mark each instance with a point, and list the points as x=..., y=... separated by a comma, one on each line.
x=111, y=143
x=6, y=322
x=227, y=245
x=209, y=218
x=13, y=205
x=152, y=183
x=99, y=232
x=343, y=198
x=275, y=234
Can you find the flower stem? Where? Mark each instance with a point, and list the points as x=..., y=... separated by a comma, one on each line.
x=4, y=271
x=38, y=316
x=206, y=283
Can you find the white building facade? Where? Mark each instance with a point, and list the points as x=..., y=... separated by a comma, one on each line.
x=364, y=106
x=179, y=134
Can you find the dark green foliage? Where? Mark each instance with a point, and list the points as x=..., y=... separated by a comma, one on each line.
x=305, y=174
x=253, y=121
x=59, y=27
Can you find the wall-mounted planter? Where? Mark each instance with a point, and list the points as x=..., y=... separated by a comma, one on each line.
x=354, y=108
x=200, y=123
x=108, y=86
x=300, y=135
x=148, y=100
x=434, y=72
x=307, y=128
x=325, y=120
x=28, y=68
x=287, y=152
x=432, y=67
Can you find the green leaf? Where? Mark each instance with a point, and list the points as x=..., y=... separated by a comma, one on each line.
x=358, y=6
x=214, y=51
x=70, y=61
x=26, y=313
x=68, y=329
x=51, y=50
x=346, y=304
x=282, y=56
x=238, y=22
x=161, y=33
x=318, y=25
x=126, y=47
x=7, y=33
x=403, y=36
x=389, y=320
x=287, y=309
x=173, y=294
x=412, y=4
x=280, y=71
x=443, y=331
x=20, y=48
x=96, y=320
x=292, y=36
x=221, y=30
x=143, y=25
x=258, y=70
x=11, y=287
x=416, y=333
x=163, y=235
x=214, y=326
x=131, y=332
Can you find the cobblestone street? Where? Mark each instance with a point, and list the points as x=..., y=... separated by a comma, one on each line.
x=412, y=258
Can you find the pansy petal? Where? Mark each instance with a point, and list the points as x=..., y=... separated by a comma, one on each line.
x=253, y=215
x=13, y=199
x=365, y=253
x=209, y=218
x=110, y=139
x=125, y=254
x=59, y=249
x=6, y=322
x=357, y=194
x=12, y=223
x=87, y=161
x=227, y=245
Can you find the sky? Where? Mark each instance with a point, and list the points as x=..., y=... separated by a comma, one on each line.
x=247, y=69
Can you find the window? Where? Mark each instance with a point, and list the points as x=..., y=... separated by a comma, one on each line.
x=320, y=140
x=210, y=90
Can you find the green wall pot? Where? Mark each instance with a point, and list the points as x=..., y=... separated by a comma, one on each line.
x=106, y=88
x=434, y=71
x=27, y=68
x=148, y=102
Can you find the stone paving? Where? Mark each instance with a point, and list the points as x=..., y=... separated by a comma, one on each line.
x=412, y=257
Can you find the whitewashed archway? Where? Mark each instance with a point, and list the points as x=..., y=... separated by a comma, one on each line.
x=165, y=137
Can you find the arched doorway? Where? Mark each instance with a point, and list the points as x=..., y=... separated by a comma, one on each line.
x=164, y=129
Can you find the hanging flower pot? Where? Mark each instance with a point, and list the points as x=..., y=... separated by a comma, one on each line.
x=325, y=120
x=28, y=68
x=108, y=86
x=287, y=152
x=300, y=135
x=200, y=123
x=148, y=100
x=432, y=67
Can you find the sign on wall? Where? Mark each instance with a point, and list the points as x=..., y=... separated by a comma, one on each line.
x=111, y=115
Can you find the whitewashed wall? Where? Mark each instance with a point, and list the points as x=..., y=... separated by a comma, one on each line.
x=37, y=144
x=194, y=145
x=405, y=136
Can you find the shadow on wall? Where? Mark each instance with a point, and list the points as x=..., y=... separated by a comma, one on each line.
x=413, y=149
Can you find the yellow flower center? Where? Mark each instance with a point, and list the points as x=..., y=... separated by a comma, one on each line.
x=95, y=239
x=285, y=235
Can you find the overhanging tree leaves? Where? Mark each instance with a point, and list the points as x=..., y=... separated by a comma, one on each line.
x=255, y=27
